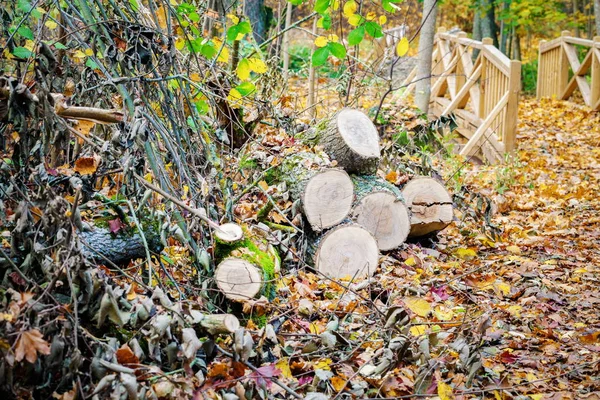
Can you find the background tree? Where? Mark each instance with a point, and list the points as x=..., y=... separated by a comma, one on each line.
x=423, y=87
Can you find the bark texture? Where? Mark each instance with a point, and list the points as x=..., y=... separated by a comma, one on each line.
x=118, y=248
x=352, y=140
x=423, y=86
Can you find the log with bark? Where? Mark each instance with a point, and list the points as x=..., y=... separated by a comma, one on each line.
x=101, y=244
x=430, y=206
x=352, y=140
x=326, y=194
x=246, y=268
x=380, y=208
x=346, y=251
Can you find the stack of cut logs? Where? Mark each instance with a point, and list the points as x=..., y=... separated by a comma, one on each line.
x=353, y=214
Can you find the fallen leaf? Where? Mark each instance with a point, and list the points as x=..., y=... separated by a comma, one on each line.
x=29, y=344
x=86, y=165
x=417, y=305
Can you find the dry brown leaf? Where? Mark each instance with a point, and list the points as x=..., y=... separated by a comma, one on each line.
x=29, y=344
x=84, y=127
x=86, y=165
x=126, y=356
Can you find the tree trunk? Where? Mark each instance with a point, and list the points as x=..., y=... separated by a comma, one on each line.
x=100, y=244
x=597, y=16
x=312, y=79
x=352, y=140
x=220, y=323
x=380, y=209
x=488, y=21
x=430, y=206
x=423, y=85
x=286, y=40
x=347, y=251
x=575, y=12
x=516, y=46
x=504, y=29
x=326, y=194
x=256, y=12
x=239, y=279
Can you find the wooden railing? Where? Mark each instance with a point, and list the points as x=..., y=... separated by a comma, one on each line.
x=482, y=94
x=560, y=70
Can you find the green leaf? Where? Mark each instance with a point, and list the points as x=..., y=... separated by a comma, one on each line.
x=202, y=106
x=320, y=55
x=245, y=88
x=324, y=22
x=91, y=64
x=232, y=32
x=296, y=2
x=195, y=45
x=356, y=36
x=208, y=50
x=245, y=27
x=374, y=29
x=60, y=46
x=337, y=49
x=194, y=17
x=134, y=5
x=185, y=8
x=321, y=6
x=22, y=52
x=24, y=5
x=26, y=32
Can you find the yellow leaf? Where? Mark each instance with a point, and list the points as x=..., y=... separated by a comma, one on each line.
x=314, y=328
x=338, y=383
x=243, y=69
x=354, y=19
x=321, y=41
x=445, y=391
x=86, y=165
x=335, y=5
x=515, y=311
x=503, y=288
x=223, y=55
x=417, y=305
x=402, y=47
x=89, y=52
x=180, y=43
x=234, y=98
x=465, y=254
x=443, y=314
x=195, y=77
x=410, y=262
x=323, y=364
x=79, y=54
x=371, y=16
x=51, y=24
x=417, y=330
x=234, y=18
x=148, y=177
x=84, y=127
x=514, y=249
x=257, y=65
x=284, y=366
x=161, y=17
x=333, y=38
x=536, y=396
x=263, y=185
x=350, y=8
x=382, y=19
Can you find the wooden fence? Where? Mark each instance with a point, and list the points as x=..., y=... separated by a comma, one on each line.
x=482, y=94
x=560, y=70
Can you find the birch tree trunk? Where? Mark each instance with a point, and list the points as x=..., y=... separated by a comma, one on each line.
x=597, y=16
x=286, y=41
x=423, y=86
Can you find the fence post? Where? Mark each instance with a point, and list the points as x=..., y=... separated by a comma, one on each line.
x=595, y=84
x=512, y=107
x=541, y=68
x=562, y=69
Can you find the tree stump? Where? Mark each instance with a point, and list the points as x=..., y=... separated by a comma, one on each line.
x=430, y=205
x=381, y=210
x=239, y=279
x=352, y=140
x=246, y=268
x=326, y=194
x=347, y=251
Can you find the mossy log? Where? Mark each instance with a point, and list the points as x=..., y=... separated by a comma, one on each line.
x=430, y=205
x=346, y=251
x=380, y=208
x=326, y=194
x=352, y=140
x=100, y=244
x=247, y=268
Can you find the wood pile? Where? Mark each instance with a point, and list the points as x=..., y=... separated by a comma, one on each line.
x=352, y=214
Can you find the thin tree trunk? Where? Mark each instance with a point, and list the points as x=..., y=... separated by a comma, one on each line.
x=505, y=29
x=597, y=15
x=488, y=20
x=423, y=86
x=517, y=46
x=312, y=77
x=286, y=40
x=575, y=12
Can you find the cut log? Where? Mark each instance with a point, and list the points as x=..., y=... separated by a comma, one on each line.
x=100, y=244
x=352, y=140
x=380, y=209
x=347, y=251
x=220, y=323
x=239, y=279
x=430, y=205
x=326, y=194
x=229, y=233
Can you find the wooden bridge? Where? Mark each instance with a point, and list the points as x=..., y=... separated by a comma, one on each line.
x=480, y=86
